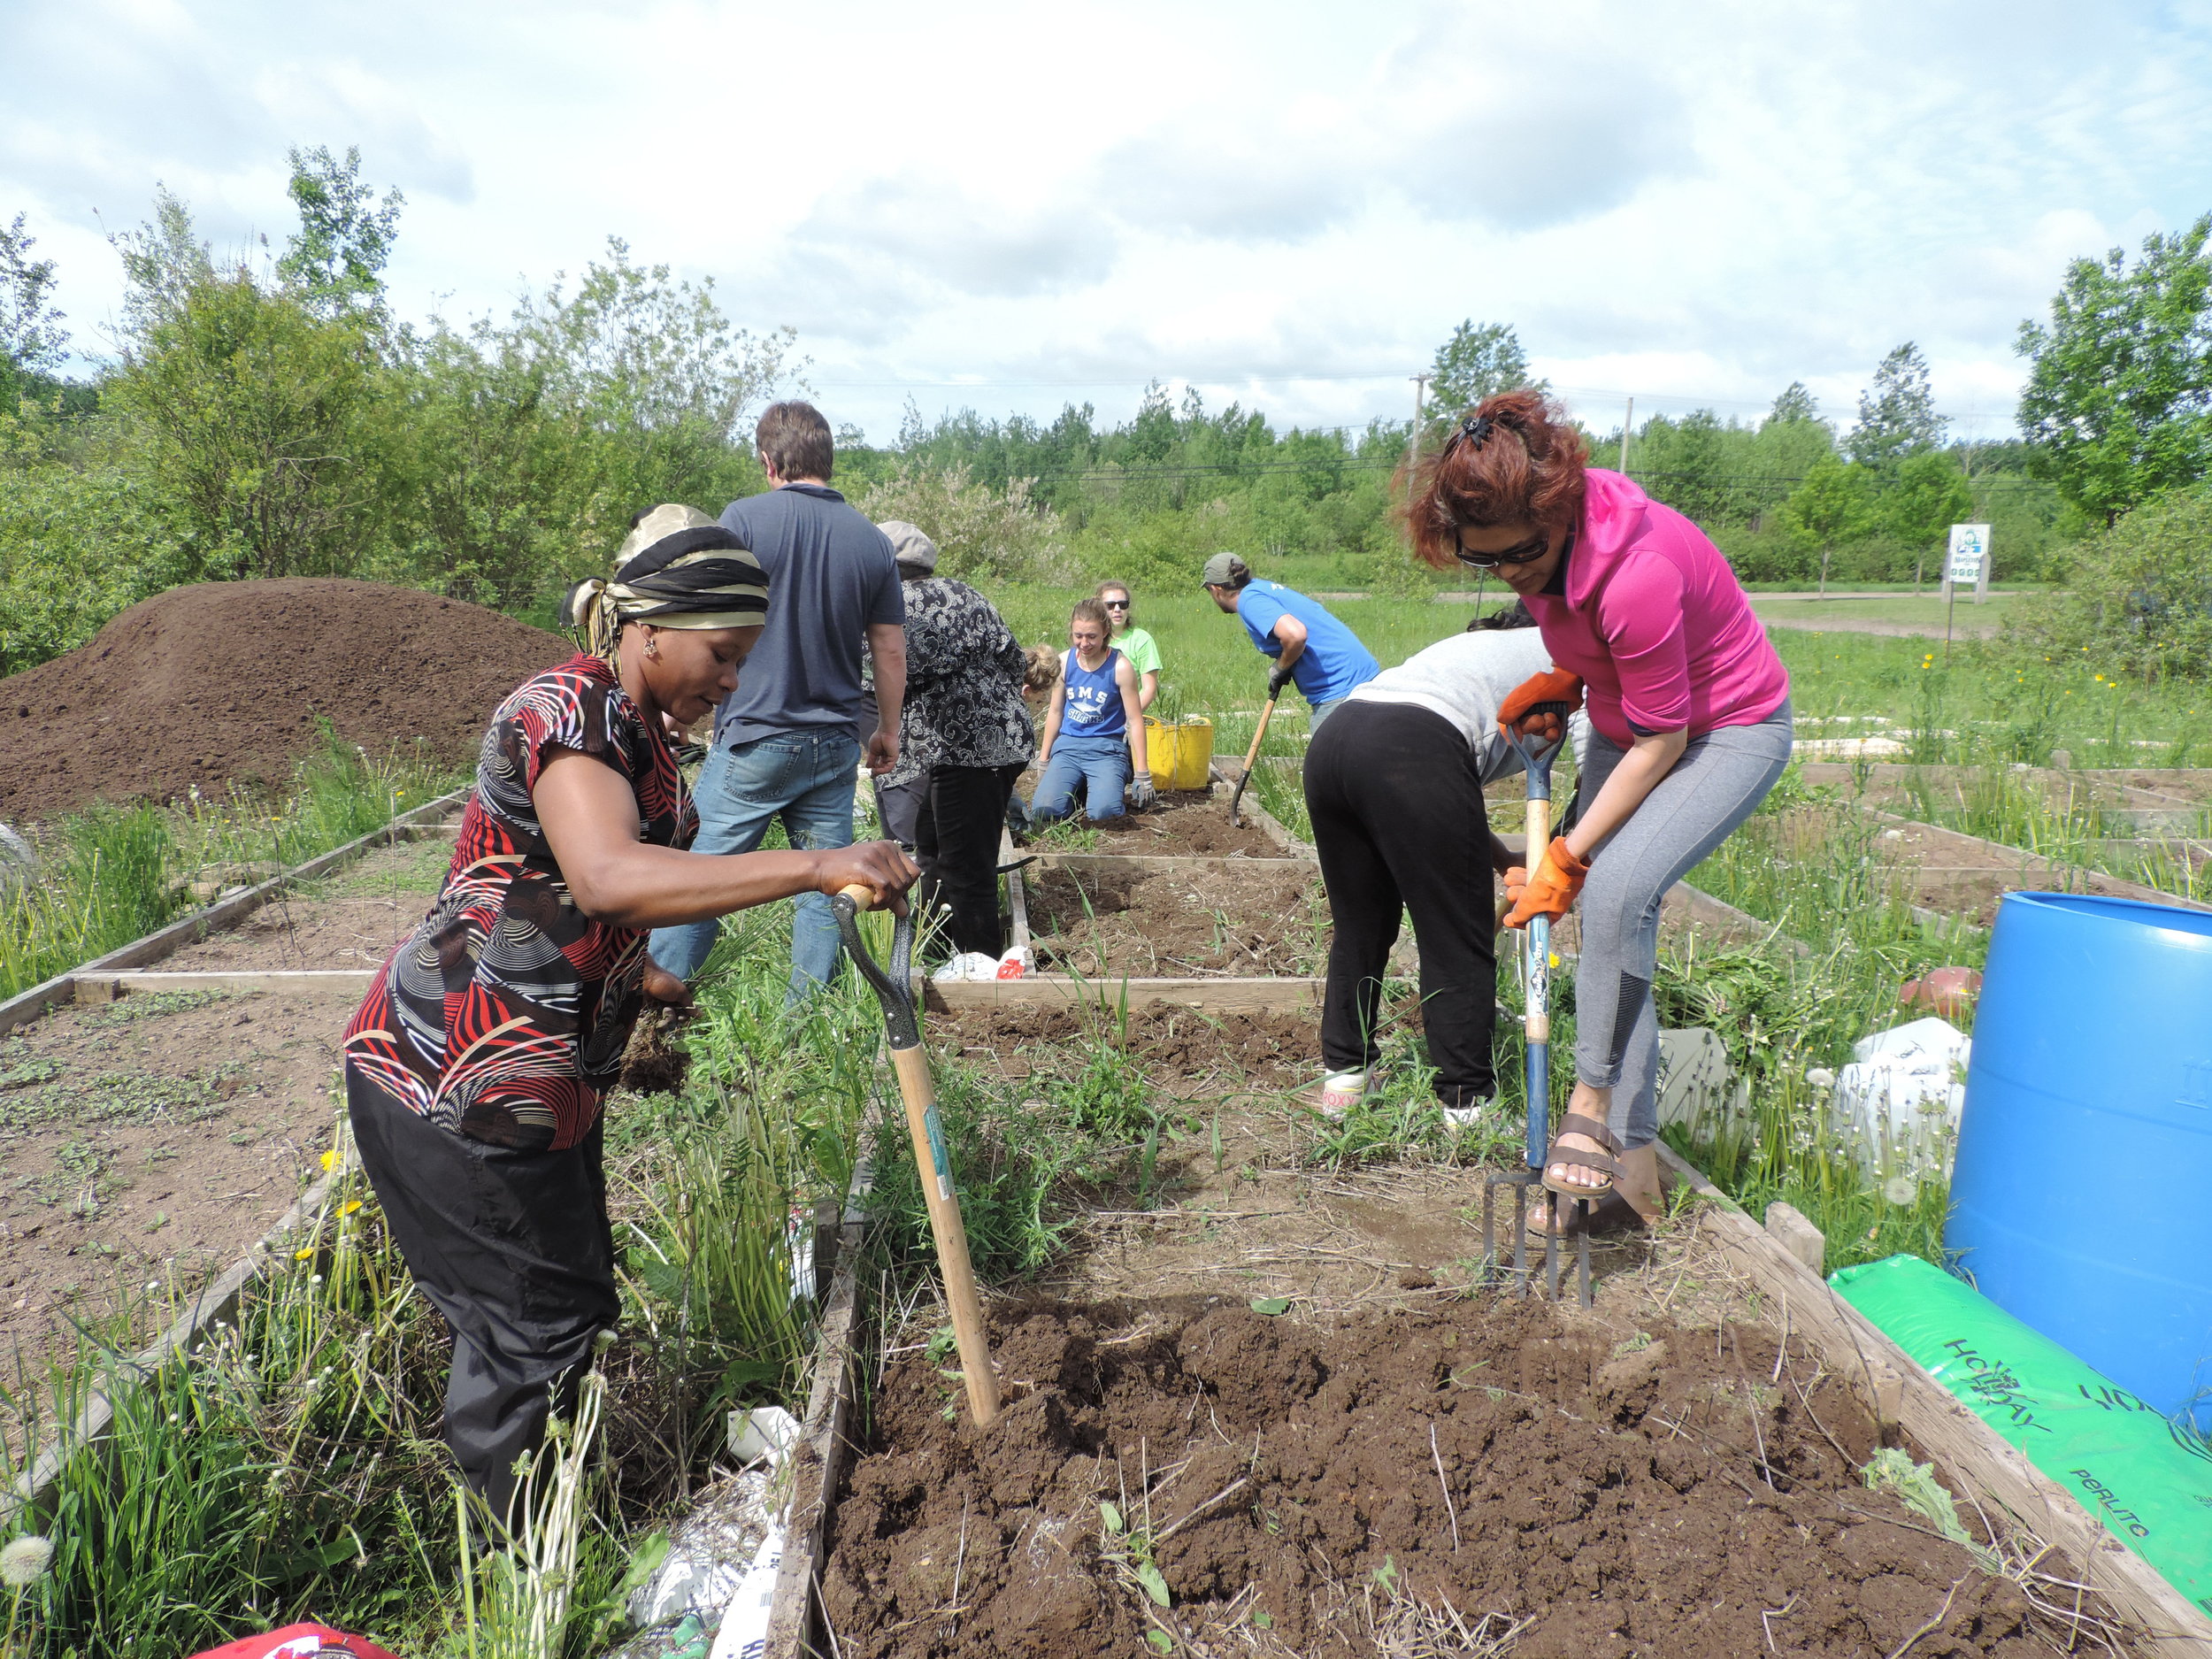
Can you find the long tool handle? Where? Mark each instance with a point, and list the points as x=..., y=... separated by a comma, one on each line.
x=932, y=1161
x=1251, y=757
x=1536, y=987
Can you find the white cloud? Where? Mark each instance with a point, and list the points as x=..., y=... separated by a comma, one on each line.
x=1700, y=202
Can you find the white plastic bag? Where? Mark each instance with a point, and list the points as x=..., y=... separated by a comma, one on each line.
x=1898, y=1102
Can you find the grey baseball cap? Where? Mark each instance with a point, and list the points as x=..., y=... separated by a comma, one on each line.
x=913, y=549
x=1223, y=570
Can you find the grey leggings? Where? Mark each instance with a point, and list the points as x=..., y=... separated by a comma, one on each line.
x=1719, y=781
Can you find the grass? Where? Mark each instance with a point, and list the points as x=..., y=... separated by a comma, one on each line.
x=1926, y=611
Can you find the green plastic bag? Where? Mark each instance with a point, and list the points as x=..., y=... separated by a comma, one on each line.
x=2142, y=1476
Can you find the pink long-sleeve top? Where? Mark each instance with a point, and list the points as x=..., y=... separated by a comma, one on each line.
x=1655, y=621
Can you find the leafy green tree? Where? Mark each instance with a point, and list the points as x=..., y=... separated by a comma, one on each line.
x=1794, y=401
x=250, y=406
x=983, y=534
x=2119, y=393
x=1897, y=414
x=1479, y=359
x=31, y=339
x=1927, y=495
x=164, y=263
x=1834, y=505
x=336, y=260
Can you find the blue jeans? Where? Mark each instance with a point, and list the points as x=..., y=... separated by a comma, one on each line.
x=1099, y=765
x=1318, y=712
x=806, y=777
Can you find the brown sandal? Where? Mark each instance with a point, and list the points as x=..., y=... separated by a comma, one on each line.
x=1575, y=1124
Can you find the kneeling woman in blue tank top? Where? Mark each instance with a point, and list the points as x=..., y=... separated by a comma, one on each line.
x=1095, y=730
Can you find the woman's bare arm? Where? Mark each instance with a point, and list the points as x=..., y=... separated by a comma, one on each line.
x=1635, y=776
x=590, y=820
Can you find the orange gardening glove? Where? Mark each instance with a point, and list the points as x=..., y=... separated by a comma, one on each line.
x=1554, y=685
x=1559, y=876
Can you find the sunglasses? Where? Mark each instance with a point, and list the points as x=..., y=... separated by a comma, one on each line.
x=1116, y=604
x=1524, y=553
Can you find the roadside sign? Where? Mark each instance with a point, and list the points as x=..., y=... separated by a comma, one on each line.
x=1970, y=551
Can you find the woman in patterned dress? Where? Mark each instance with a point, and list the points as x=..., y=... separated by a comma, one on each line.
x=476, y=1066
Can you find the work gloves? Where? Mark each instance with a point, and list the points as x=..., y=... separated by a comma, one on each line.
x=1559, y=876
x=1278, y=678
x=1141, y=794
x=1554, y=685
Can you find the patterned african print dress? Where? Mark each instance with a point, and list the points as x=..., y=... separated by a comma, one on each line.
x=504, y=1016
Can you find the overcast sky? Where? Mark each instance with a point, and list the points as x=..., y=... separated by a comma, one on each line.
x=1017, y=205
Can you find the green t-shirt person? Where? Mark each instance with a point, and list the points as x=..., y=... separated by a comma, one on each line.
x=1133, y=643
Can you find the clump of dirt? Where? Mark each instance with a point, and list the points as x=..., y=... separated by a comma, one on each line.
x=657, y=1062
x=1189, y=1046
x=221, y=682
x=1289, y=1488
x=1260, y=925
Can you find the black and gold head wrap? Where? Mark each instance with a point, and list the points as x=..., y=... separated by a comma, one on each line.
x=677, y=569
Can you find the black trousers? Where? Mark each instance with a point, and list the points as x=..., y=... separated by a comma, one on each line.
x=1399, y=822
x=956, y=841
x=515, y=1251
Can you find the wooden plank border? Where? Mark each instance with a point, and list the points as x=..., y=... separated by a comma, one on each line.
x=1972, y=1456
x=419, y=824
x=818, y=1462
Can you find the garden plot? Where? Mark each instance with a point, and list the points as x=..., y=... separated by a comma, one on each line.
x=147, y=1142
x=1965, y=876
x=1203, y=1478
x=1184, y=822
x=1203, y=920
x=351, y=919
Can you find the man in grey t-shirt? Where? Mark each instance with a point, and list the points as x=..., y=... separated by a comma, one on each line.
x=784, y=743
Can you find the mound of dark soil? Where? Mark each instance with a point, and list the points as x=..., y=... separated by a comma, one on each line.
x=221, y=682
x=1299, y=1487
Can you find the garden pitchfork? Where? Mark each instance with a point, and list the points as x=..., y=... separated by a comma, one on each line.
x=1535, y=948
x=895, y=991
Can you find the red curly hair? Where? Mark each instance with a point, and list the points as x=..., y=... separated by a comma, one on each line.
x=1515, y=457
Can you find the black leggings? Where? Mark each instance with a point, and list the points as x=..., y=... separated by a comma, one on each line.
x=956, y=843
x=514, y=1249
x=1398, y=821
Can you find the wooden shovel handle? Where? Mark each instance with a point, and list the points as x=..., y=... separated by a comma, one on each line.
x=949, y=1231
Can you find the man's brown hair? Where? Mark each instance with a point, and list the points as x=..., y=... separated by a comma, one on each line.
x=794, y=440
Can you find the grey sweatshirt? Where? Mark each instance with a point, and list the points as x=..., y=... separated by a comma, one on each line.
x=1464, y=679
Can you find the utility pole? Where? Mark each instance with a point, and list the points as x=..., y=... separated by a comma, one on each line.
x=1628, y=420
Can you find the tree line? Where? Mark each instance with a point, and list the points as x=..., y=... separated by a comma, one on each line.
x=265, y=414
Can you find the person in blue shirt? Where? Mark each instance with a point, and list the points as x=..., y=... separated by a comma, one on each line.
x=1311, y=647
x=1095, y=730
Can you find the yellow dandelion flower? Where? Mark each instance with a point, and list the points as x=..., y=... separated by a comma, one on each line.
x=329, y=1158
x=349, y=1207
x=304, y=1255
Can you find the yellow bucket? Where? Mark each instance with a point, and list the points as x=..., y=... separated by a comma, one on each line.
x=1182, y=752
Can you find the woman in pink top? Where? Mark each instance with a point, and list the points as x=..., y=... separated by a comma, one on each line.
x=1690, y=712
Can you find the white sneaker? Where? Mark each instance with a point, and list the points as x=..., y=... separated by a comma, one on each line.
x=1466, y=1117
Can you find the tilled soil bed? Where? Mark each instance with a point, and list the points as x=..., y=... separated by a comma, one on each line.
x=1306, y=1489
x=1197, y=1049
x=1259, y=924
x=1183, y=823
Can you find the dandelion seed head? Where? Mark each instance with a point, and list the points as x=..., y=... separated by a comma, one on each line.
x=24, y=1562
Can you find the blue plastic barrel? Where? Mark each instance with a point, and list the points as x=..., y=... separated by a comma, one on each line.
x=2081, y=1200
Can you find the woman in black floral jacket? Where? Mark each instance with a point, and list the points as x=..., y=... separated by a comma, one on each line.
x=965, y=729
